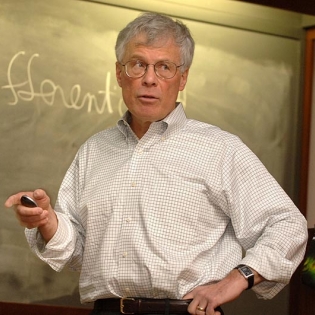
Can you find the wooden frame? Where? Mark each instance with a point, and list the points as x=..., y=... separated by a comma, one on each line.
x=301, y=296
x=306, y=122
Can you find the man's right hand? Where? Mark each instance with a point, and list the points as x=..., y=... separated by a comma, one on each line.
x=42, y=217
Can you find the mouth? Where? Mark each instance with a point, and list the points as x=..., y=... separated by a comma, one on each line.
x=147, y=98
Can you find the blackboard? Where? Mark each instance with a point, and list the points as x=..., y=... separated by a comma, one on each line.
x=58, y=87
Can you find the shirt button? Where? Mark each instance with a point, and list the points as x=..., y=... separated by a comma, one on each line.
x=128, y=220
x=133, y=184
x=125, y=254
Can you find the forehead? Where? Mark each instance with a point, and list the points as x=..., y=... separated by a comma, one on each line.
x=161, y=48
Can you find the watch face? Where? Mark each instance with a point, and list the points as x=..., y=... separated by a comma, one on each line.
x=246, y=271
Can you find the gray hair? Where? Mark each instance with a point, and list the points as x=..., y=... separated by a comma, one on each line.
x=157, y=26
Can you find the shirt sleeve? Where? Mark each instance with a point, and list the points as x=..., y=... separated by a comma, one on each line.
x=268, y=225
x=59, y=249
x=66, y=246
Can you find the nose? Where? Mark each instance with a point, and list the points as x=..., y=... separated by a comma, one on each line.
x=150, y=77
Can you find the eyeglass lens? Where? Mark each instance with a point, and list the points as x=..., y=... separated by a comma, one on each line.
x=137, y=68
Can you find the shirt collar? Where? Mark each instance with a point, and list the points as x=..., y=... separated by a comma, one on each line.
x=171, y=124
x=175, y=120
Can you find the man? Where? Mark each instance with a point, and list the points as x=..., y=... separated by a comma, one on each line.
x=162, y=207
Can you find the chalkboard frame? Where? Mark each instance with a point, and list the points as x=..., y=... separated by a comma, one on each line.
x=308, y=96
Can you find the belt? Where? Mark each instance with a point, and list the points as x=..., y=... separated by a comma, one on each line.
x=131, y=306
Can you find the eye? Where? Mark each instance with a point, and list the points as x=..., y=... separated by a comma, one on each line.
x=164, y=66
x=139, y=64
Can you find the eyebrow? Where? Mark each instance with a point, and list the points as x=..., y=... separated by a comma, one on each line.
x=138, y=57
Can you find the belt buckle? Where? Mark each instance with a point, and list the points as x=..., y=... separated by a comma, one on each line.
x=122, y=305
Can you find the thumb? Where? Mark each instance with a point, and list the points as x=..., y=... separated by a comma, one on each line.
x=41, y=198
x=188, y=296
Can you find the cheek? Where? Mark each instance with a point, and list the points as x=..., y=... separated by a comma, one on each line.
x=127, y=92
x=125, y=84
x=128, y=83
x=174, y=88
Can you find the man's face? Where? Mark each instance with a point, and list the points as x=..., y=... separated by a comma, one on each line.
x=150, y=98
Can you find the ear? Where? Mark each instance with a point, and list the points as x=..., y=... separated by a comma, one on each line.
x=118, y=73
x=183, y=79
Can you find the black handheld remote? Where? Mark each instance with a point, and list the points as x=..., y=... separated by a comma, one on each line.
x=27, y=201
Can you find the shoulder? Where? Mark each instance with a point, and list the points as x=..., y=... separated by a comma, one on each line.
x=220, y=144
x=211, y=133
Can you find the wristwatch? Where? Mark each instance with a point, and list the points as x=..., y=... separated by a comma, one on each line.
x=246, y=272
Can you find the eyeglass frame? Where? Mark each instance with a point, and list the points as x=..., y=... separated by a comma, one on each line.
x=151, y=64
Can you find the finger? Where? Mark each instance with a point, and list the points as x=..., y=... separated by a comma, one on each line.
x=200, y=311
x=36, y=224
x=201, y=308
x=28, y=211
x=213, y=311
x=197, y=307
x=32, y=218
x=16, y=199
x=192, y=307
x=39, y=196
x=29, y=214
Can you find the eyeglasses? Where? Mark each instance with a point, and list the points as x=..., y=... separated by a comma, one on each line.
x=138, y=68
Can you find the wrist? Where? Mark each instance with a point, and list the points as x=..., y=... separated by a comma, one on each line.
x=49, y=229
x=247, y=274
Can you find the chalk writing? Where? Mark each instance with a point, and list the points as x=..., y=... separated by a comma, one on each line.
x=48, y=90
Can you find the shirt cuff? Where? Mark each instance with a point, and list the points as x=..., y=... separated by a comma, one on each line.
x=59, y=249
